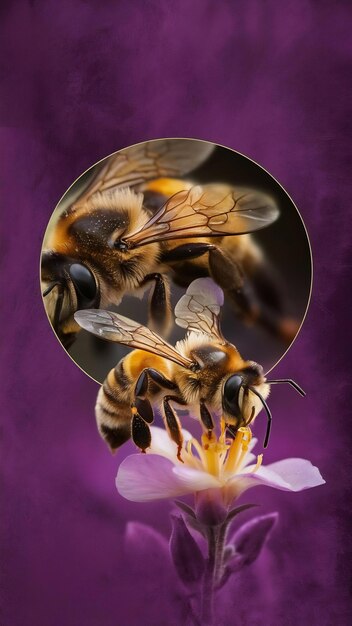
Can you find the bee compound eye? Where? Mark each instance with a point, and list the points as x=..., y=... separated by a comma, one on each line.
x=84, y=283
x=231, y=394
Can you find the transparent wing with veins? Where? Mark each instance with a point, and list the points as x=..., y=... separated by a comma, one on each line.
x=209, y=211
x=152, y=159
x=120, y=329
x=199, y=309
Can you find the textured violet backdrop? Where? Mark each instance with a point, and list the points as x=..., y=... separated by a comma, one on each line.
x=82, y=79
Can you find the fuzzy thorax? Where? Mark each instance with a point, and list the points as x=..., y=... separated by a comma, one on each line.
x=125, y=200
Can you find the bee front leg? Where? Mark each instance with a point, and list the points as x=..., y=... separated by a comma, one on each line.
x=172, y=422
x=159, y=318
x=186, y=252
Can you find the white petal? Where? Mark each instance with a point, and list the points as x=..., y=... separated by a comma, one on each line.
x=146, y=477
x=298, y=474
x=162, y=444
x=288, y=475
x=263, y=476
x=196, y=480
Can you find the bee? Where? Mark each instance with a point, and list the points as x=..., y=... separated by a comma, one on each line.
x=137, y=225
x=203, y=372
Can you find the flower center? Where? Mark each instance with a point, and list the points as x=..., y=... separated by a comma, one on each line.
x=222, y=457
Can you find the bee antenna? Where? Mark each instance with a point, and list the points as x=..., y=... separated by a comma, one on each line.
x=289, y=381
x=268, y=414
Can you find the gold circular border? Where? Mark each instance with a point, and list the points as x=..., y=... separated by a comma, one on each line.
x=188, y=139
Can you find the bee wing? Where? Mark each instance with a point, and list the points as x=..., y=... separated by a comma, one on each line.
x=208, y=211
x=151, y=159
x=114, y=327
x=199, y=309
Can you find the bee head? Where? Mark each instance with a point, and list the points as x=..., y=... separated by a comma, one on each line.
x=71, y=285
x=230, y=397
x=241, y=400
x=250, y=374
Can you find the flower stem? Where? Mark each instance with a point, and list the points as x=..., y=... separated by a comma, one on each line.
x=207, y=597
x=216, y=536
x=219, y=554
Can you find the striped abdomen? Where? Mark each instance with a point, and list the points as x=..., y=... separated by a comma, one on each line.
x=113, y=407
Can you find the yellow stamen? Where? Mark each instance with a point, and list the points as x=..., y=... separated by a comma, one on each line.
x=238, y=450
x=193, y=442
x=211, y=453
x=258, y=463
x=245, y=445
x=216, y=455
x=222, y=437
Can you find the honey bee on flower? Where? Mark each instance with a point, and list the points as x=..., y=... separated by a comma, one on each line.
x=204, y=373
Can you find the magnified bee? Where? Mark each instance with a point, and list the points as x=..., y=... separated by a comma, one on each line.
x=204, y=373
x=137, y=225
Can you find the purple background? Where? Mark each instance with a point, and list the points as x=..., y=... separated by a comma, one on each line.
x=81, y=80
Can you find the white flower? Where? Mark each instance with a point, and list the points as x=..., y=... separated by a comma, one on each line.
x=225, y=468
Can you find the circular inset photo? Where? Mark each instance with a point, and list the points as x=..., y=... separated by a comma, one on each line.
x=141, y=227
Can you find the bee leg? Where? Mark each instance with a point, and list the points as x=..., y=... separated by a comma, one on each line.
x=228, y=275
x=268, y=285
x=225, y=271
x=142, y=415
x=142, y=410
x=206, y=418
x=159, y=303
x=141, y=387
x=271, y=294
x=172, y=423
x=186, y=252
x=140, y=431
